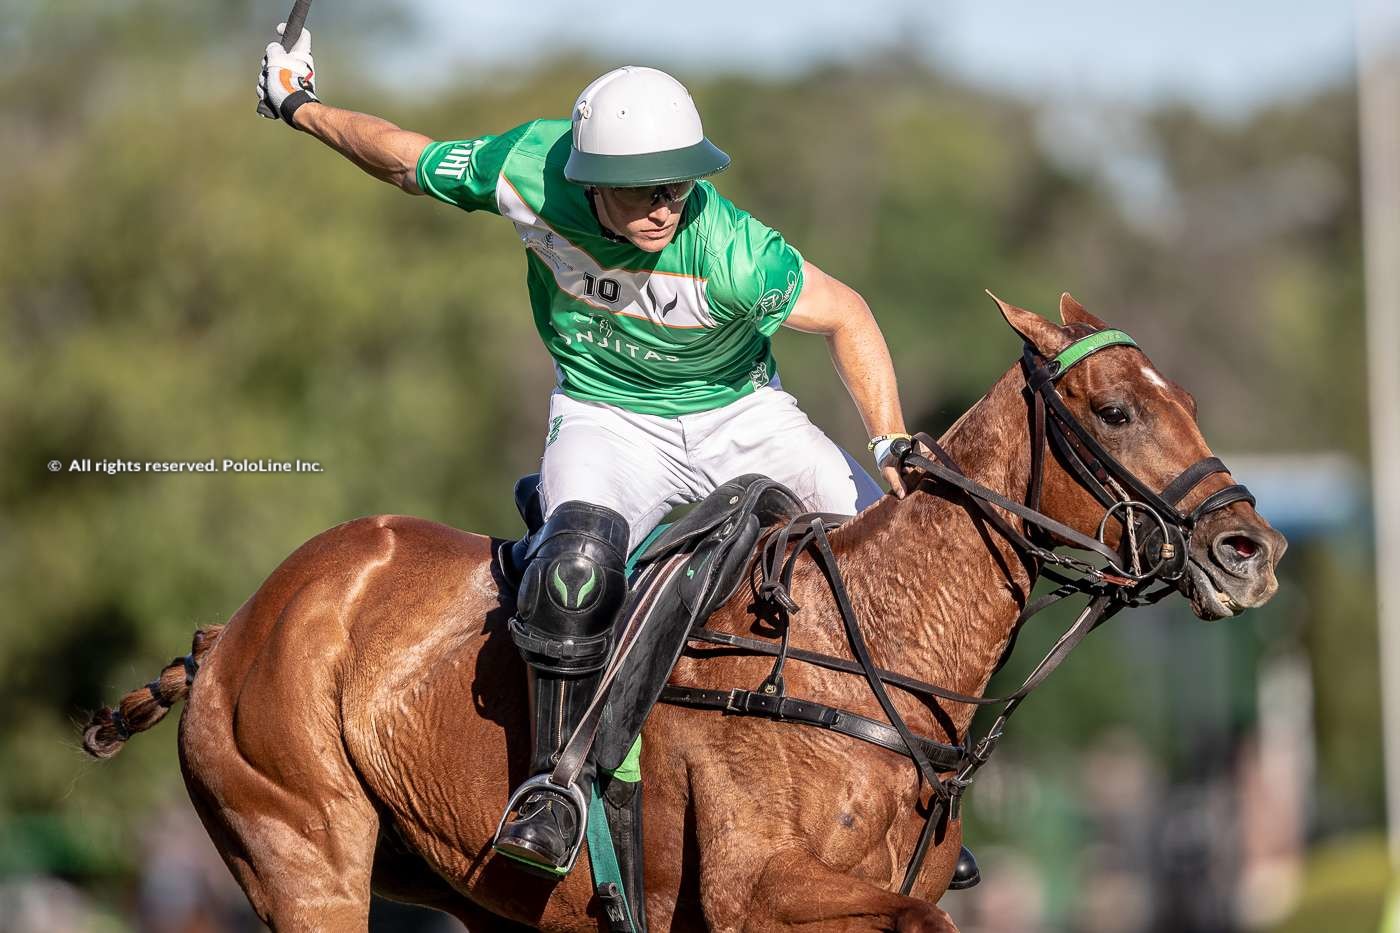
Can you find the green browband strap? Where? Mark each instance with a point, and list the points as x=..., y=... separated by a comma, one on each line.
x=1084, y=346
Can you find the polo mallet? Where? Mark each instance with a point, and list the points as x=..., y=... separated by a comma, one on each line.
x=295, y=20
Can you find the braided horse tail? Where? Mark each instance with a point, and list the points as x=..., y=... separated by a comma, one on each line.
x=108, y=728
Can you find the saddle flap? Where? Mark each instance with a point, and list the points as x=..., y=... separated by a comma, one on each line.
x=720, y=560
x=720, y=535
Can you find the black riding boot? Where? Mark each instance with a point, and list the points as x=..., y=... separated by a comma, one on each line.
x=573, y=586
x=545, y=828
x=966, y=874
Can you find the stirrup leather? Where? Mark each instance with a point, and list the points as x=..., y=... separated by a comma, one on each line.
x=574, y=794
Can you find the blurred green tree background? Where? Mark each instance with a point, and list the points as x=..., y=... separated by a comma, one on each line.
x=180, y=280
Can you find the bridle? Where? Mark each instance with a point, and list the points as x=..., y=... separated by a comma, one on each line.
x=1156, y=533
x=1153, y=549
x=1116, y=487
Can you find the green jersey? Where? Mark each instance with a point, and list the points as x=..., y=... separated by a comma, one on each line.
x=683, y=330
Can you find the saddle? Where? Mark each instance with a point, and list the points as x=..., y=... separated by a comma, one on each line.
x=679, y=575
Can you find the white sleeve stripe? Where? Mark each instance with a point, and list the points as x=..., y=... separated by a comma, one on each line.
x=428, y=176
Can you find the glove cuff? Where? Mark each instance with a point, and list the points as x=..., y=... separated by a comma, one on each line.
x=294, y=102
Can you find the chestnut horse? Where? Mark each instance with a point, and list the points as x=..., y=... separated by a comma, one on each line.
x=357, y=724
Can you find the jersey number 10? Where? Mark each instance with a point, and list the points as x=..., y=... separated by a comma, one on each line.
x=606, y=289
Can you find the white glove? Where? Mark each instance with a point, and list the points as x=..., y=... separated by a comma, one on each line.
x=288, y=77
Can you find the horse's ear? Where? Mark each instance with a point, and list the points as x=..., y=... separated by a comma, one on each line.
x=1072, y=312
x=1047, y=337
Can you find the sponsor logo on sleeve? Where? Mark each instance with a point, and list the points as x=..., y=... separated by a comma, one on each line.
x=775, y=299
x=457, y=161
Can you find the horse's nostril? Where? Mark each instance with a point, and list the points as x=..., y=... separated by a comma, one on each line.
x=1242, y=546
x=1244, y=553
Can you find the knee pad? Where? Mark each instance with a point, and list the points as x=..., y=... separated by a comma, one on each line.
x=573, y=586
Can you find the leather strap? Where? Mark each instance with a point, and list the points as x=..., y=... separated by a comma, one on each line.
x=1191, y=477
x=1221, y=498
x=976, y=489
x=1037, y=481
x=1064, y=425
x=573, y=648
x=830, y=662
x=740, y=702
x=862, y=653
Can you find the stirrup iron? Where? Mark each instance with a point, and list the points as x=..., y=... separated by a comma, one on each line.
x=574, y=794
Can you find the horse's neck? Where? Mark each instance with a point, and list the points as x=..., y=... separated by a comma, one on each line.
x=938, y=597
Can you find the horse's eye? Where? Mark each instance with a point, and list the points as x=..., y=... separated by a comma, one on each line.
x=1112, y=414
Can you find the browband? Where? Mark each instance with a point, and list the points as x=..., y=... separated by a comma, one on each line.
x=1085, y=346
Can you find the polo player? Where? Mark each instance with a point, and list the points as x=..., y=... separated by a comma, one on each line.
x=657, y=298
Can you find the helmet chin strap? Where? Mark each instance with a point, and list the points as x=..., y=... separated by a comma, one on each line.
x=608, y=233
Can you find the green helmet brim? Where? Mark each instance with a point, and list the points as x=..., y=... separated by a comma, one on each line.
x=650, y=168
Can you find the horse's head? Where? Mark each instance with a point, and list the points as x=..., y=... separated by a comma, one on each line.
x=1104, y=393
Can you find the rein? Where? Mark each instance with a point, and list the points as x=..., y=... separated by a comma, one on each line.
x=1153, y=549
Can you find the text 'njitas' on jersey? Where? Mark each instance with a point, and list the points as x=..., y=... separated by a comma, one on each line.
x=683, y=330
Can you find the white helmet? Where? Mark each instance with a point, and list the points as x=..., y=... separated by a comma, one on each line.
x=638, y=126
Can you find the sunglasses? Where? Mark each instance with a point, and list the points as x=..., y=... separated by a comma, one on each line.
x=652, y=196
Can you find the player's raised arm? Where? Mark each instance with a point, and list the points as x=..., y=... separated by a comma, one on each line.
x=833, y=309
x=374, y=144
x=287, y=83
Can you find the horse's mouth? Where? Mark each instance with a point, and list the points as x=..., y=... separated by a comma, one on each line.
x=1209, y=600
